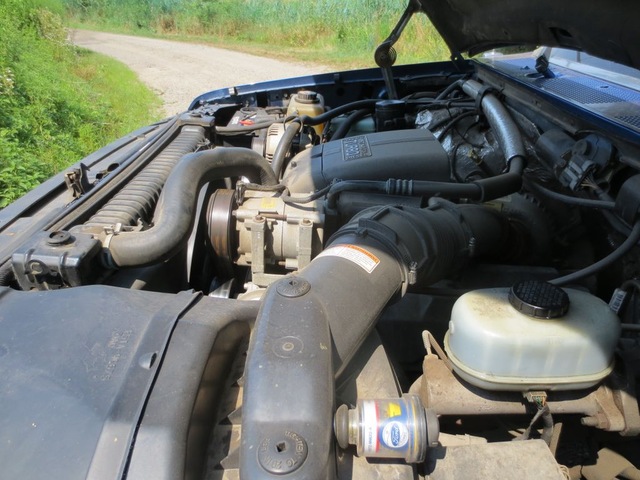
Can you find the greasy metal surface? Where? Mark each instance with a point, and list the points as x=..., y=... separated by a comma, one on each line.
x=610, y=464
x=526, y=460
x=445, y=393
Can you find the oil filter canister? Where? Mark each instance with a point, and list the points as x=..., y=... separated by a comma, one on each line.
x=389, y=428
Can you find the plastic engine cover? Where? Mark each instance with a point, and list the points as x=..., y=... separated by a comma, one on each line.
x=400, y=154
x=494, y=346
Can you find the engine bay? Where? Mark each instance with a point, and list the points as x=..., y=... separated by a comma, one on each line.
x=440, y=285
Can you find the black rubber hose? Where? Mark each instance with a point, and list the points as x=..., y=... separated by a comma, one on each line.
x=453, y=86
x=614, y=256
x=349, y=107
x=506, y=131
x=481, y=190
x=174, y=219
x=138, y=198
x=349, y=122
x=284, y=147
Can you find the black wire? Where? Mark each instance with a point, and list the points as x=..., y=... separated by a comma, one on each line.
x=286, y=198
x=454, y=161
x=581, y=202
x=614, y=256
x=264, y=188
x=632, y=282
x=453, y=122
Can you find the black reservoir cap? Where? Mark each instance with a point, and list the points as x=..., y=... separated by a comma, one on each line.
x=539, y=299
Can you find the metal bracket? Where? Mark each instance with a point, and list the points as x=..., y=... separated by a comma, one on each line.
x=305, y=241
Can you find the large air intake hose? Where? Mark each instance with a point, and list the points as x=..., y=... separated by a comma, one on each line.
x=311, y=324
x=175, y=215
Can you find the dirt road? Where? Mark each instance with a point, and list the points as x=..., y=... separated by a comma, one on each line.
x=179, y=71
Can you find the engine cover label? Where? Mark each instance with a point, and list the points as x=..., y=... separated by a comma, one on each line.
x=358, y=255
x=354, y=148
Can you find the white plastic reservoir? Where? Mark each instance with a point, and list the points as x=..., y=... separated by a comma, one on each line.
x=494, y=345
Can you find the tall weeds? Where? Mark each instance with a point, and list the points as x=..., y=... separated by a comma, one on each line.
x=333, y=28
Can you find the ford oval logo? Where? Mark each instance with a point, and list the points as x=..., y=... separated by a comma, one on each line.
x=395, y=435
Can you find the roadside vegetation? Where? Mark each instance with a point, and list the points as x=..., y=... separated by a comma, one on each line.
x=57, y=103
x=335, y=32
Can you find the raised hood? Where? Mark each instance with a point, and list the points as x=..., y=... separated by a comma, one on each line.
x=604, y=28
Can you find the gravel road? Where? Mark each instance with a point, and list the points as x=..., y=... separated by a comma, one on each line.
x=179, y=71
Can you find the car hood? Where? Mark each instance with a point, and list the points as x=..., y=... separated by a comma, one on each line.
x=602, y=28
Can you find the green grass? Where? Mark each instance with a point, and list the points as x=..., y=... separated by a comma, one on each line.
x=334, y=32
x=57, y=103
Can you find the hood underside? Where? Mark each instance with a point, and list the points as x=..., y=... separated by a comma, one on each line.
x=606, y=29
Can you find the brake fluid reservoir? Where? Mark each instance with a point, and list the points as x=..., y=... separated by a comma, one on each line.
x=307, y=102
x=389, y=428
x=534, y=336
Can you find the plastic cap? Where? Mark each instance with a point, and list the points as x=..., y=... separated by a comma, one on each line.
x=539, y=299
x=307, y=96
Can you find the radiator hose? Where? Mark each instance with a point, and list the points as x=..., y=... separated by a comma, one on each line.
x=175, y=215
x=311, y=324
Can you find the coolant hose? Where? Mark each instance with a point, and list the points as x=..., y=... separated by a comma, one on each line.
x=508, y=136
x=175, y=217
x=284, y=146
x=310, y=325
x=505, y=128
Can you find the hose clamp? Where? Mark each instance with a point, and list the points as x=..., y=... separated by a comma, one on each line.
x=486, y=90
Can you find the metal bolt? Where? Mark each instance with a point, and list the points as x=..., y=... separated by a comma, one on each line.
x=36, y=268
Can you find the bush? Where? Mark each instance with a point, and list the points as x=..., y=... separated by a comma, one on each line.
x=54, y=111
